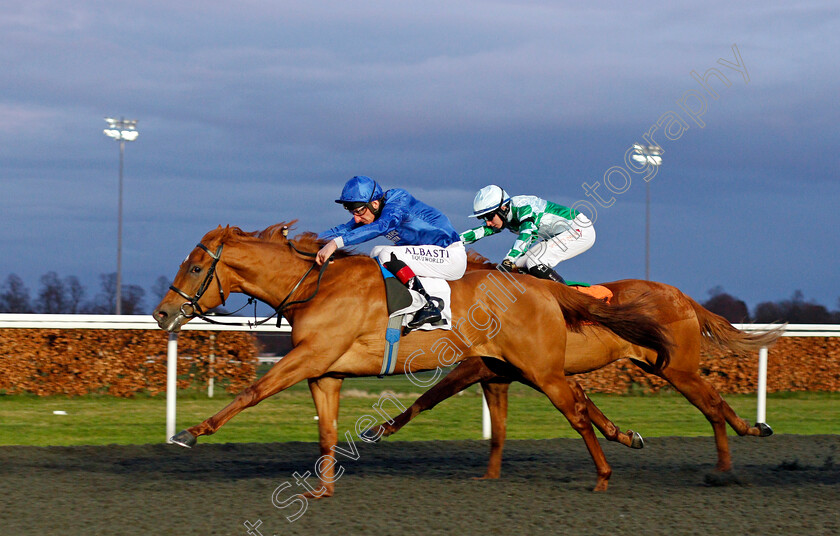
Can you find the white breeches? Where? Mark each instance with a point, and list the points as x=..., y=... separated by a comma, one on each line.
x=565, y=245
x=428, y=261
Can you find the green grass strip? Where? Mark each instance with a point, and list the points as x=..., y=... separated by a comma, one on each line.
x=290, y=416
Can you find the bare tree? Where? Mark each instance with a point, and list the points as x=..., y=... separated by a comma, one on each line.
x=161, y=287
x=51, y=297
x=14, y=296
x=132, y=300
x=767, y=312
x=795, y=310
x=104, y=303
x=727, y=306
x=74, y=294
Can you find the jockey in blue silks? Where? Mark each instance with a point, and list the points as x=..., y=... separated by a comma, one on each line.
x=425, y=243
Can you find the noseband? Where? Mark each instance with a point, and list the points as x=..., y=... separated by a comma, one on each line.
x=192, y=301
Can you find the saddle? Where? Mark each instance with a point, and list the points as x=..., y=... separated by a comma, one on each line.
x=401, y=302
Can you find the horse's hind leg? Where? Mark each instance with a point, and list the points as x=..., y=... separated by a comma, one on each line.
x=466, y=373
x=605, y=425
x=561, y=395
x=496, y=395
x=702, y=395
x=326, y=395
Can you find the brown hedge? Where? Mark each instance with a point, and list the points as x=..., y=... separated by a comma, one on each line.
x=793, y=364
x=120, y=362
x=126, y=362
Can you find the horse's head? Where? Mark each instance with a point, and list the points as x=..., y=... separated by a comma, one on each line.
x=197, y=287
x=208, y=274
x=204, y=279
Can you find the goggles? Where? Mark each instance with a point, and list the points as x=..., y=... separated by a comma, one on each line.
x=356, y=209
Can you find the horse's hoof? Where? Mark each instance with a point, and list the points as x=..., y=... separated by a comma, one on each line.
x=722, y=479
x=184, y=439
x=764, y=429
x=636, y=440
x=373, y=434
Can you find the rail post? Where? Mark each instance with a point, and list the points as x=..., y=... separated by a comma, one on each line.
x=761, y=406
x=171, y=383
x=485, y=417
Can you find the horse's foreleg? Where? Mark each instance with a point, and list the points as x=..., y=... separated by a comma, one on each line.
x=294, y=367
x=605, y=425
x=496, y=395
x=561, y=395
x=326, y=394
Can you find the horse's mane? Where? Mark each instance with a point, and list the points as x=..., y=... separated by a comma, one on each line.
x=228, y=232
x=305, y=241
x=309, y=241
x=477, y=261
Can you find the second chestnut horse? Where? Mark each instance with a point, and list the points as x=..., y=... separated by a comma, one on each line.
x=690, y=327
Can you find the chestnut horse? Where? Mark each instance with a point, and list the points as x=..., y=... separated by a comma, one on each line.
x=690, y=327
x=338, y=331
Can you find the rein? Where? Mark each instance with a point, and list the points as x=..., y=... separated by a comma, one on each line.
x=280, y=309
x=196, y=310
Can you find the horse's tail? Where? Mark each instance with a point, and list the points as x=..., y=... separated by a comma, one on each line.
x=633, y=321
x=717, y=331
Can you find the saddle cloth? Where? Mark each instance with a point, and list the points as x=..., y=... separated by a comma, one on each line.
x=599, y=292
x=437, y=288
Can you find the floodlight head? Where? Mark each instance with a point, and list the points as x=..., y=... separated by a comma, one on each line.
x=650, y=154
x=121, y=129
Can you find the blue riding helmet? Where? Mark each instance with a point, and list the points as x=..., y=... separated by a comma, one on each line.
x=360, y=189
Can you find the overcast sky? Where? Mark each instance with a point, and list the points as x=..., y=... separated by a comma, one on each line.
x=254, y=112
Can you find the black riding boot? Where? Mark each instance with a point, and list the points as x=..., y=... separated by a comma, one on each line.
x=430, y=313
x=544, y=272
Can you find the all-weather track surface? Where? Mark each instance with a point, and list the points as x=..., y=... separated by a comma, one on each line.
x=786, y=485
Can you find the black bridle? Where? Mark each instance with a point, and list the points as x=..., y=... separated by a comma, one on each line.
x=197, y=311
x=192, y=301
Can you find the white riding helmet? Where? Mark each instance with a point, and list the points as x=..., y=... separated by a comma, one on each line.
x=489, y=199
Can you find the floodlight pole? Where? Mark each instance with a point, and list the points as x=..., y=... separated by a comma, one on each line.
x=647, y=231
x=649, y=155
x=119, y=232
x=121, y=130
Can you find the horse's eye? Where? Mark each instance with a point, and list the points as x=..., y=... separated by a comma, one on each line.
x=196, y=269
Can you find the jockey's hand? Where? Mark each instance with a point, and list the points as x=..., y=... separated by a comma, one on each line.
x=325, y=252
x=508, y=265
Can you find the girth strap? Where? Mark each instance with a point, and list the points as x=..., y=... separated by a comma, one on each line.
x=392, y=348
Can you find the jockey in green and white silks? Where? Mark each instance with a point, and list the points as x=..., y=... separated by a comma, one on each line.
x=547, y=233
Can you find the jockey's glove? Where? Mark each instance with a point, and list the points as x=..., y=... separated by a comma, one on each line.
x=508, y=265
